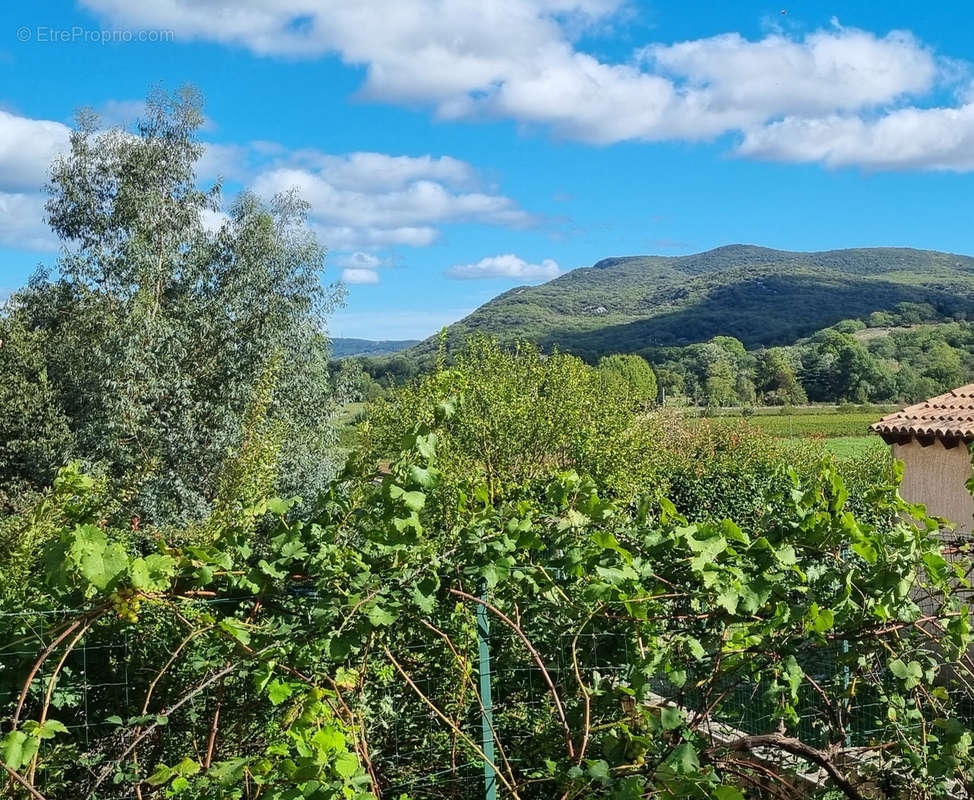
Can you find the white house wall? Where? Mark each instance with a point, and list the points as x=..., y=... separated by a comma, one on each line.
x=935, y=476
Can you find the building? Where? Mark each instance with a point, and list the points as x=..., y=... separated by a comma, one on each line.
x=931, y=440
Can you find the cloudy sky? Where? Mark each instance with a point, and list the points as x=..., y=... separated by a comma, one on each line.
x=452, y=149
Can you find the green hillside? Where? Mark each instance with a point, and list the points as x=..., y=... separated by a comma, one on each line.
x=346, y=348
x=758, y=295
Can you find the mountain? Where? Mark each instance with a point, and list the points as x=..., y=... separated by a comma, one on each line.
x=344, y=348
x=759, y=295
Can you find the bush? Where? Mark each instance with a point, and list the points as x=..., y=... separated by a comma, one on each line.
x=517, y=416
x=635, y=373
x=307, y=652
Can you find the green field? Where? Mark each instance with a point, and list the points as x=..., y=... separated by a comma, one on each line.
x=347, y=419
x=849, y=446
x=827, y=423
x=845, y=434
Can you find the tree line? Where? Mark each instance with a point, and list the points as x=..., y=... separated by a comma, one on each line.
x=887, y=358
x=898, y=356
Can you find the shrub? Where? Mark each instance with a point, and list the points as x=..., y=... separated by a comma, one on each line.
x=517, y=416
x=636, y=374
x=295, y=658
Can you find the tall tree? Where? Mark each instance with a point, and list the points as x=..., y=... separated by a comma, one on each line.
x=775, y=377
x=159, y=328
x=634, y=372
x=34, y=432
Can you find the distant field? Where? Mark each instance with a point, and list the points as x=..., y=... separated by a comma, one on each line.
x=346, y=420
x=849, y=446
x=846, y=434
x=828, y=425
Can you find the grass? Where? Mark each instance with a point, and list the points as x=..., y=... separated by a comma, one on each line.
x=845, y=433
x=346, y=421
x=850, y=446
x=829, y=424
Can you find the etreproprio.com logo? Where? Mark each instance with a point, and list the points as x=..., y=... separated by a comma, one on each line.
x=77, y=34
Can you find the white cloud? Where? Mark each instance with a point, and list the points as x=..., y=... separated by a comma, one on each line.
x=360, y=276
x=27, y=148
x=907, y=138
x=826, y=71
x=225, y=161
x=360, y=260
x=22, y=222
x=365, y=199
x=346, y=237
x=419, y=202
x=361, y=201
x=360, y=267
x=519, y=59
x=381, y=172
x=370, y=200
x=505, y=266
x=365, y=30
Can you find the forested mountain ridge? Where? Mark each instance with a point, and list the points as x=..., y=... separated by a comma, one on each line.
x=344, y=347
x=761, y=296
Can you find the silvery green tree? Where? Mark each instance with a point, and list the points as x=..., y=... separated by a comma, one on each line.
x=163, y=315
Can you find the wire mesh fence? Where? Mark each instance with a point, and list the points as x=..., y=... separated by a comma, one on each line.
x=103, y=683
x=92, y=677
x=459, y=710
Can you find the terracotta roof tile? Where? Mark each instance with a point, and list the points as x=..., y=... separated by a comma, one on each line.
x=949, y=415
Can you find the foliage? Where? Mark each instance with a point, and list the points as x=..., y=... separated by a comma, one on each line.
x=353, y=384
x=290, y=658
x=34, y=432
x=73, y=496
x=517, y=415
x=143, y=349
x=761, y=296
x=731, y=468
x=776, y=379
x=888, y=360
x=397, y=370
x=846, y=363
x=634, y=372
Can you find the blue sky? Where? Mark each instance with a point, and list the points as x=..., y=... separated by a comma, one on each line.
x=452, y=149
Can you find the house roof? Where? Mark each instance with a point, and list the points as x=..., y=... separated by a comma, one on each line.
x=946, y=416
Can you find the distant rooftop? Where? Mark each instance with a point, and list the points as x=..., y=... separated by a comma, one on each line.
x=947, y=416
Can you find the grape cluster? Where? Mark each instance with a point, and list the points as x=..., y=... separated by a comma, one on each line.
x=126, y=604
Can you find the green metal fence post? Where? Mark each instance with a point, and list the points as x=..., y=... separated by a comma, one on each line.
x=486, y=717
x=846, y=672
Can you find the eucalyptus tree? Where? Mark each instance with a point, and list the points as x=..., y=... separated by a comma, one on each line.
x=163, y=312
